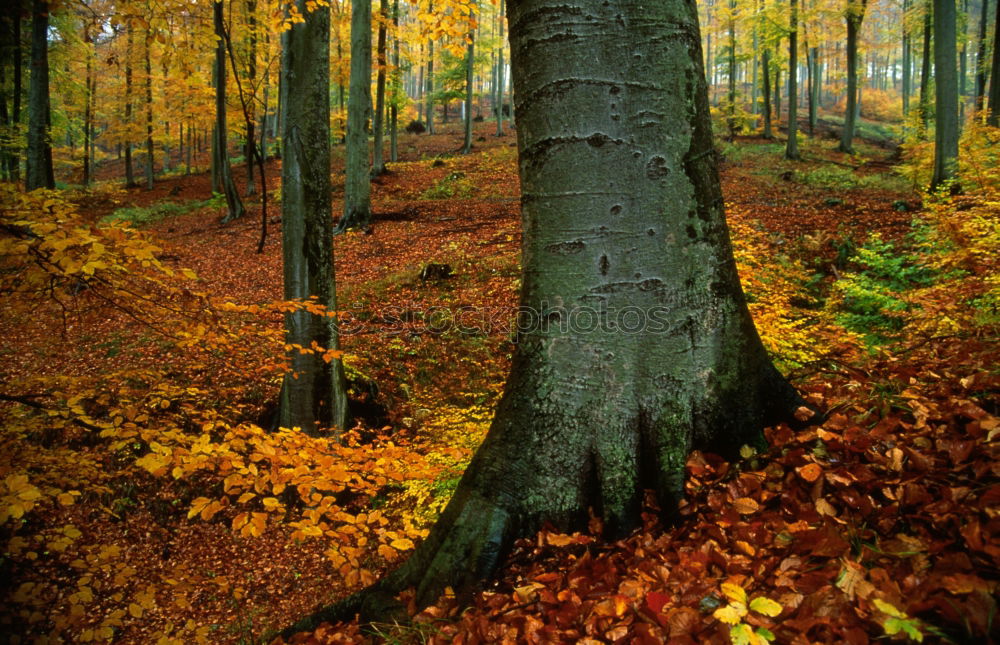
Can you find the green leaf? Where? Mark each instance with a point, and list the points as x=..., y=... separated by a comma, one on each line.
x=765, y=634
x=741, y=634
x=886, y=608
x=765, y=606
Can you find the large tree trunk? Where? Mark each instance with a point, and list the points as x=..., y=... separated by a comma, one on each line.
x=233, y=202
x=357, y=185
x=854, y=16
x=945, y=93
x=792, y=145
x=635, y=343
x=313, y=393
x=378, y=123
x=38, y=168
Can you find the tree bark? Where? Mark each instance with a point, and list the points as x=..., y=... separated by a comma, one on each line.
x=993, y=118
x=234, y=204
x=766, y=63
x=855, y=15
x=149, y=108
x=429, y=92
x=792, y=144
x=396, y=84
x=38, y=168
x=945, y=93
x=313, y=395
x=378, y=122
x=250, y=115
x=925, y=73
x=907, y=60
x=357, y=186
x=500, y=72
x=470, y=60
x=623, y=220
x=980, y=91
x=129, y=171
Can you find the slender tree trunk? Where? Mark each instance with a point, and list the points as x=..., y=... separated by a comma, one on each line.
x=129, y=172
x=378, y=122
x=963, y=66
x=38, y=170
x=619, y=216
x=469, y=70
x=945, y=93
x=396, y=88
x=88, y=109
x=766, y=62
x=925, y=74
x=500, y=71
x=907, y=61
x=313, y=395
x=233, y=201
x=855, y=15
x=981, y=57
x=357, y=186
x=777, y=96
x=429, y=92
x=731, y=108
x=792, y=145
x=251, y=115
x=149, y=109
x=812, y=65
x=993, y=118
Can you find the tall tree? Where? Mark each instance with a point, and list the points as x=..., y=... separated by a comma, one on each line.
x=994, y=98
x=980, y=90
x=470, y=62
x=945, y=93
x=130, y=41
x=396, y=91
x=854, y=15
x=429, y=90
x=357, y=185
x=149, y=103
x=623, y=220
x=378, y=122
x=766, y=64
x=313, y=393
x=234, y=204
x=498, y=101
x=907, y=59
x=792, y=145
x=925, y=73
x=38, y=160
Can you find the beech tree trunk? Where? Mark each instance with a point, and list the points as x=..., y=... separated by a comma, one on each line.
x=994, y=105
x=429, y=92
x=498, y=104
x=357, y=186
x=469, y=67
x=907, y=61
x=980, y=90
x=225, y=173
x=378, y=122
x=945, y=93
x=635, y=344
x=38, y=168
x=396, y=84
x=313, y=395
x=854, y=16
x=766, y=63
x=149, y=109
x=129, y=172
x=925, y=73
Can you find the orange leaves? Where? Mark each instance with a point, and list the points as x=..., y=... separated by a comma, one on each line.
x=746, y=505
x=810, y=472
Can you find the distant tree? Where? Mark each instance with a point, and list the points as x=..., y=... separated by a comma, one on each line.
x=994, y=98
x=313, y=394
x=792, y=145
x=234, y=204
x=635, y=343
x=378, y=117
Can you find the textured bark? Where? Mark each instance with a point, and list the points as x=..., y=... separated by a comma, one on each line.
x=357, y=185
x=907, y=61
x=393, y=108
x=234, y=204
x=731, y=95
x=149, y=109
x=429, y=88
x=622, y=212
x=854, y=16
x=498, y=103
x=38, y=168
x=88, y=109
x=129, y=171
x=313, y=393
x=792, y=145
x=945, y=93
x=249, y=111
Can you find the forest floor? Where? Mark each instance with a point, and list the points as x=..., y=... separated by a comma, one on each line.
x=882, y=522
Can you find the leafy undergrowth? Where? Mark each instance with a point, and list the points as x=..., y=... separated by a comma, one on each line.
x=141, y=500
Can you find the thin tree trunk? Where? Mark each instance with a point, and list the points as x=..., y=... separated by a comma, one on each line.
x=429, y=93
x=378, y=122
x=313, y=394
x=469, y=68
x=149, y=108
x=357, y=185
x=396, y=88
x=38, y=170
x=981, y=57
x=500, y=71
x=233, y=201
x=993, y=118
x=731, y=108
x=907, y=61
x=855, y=16
x=766, y=63
x=792, y=144
x=925, y=74
x=129, y=172
x=88, y=110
